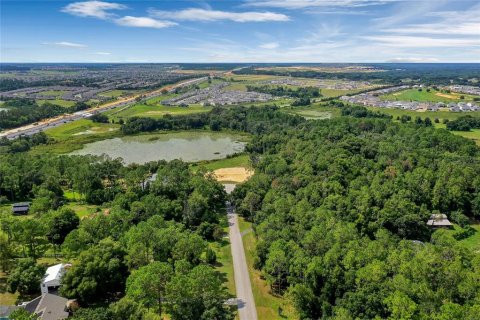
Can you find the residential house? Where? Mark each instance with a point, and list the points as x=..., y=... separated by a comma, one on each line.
x=439, y=220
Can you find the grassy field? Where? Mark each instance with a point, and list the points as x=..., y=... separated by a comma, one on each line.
x=314, y=112
x=472, y=242
x=58, y=102
x=73, y=135
x=242, y=160
x=424, y=96
x=155, y=111
x=269, y=307
x=115, y=93
x=56, y=93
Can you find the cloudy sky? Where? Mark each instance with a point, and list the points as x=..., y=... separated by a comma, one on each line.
x=240, y=31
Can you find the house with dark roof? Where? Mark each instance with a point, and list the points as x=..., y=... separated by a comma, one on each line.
x=21, y=208
x=48, y=307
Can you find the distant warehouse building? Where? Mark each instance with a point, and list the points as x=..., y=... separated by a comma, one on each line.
x=21, y=208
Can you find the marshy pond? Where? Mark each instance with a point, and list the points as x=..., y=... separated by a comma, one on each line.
x=187, y=146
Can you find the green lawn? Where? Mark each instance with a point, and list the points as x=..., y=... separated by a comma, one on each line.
x=242, y=160
x=56, y=93
x=472, y=242
x=81, y=209
x=268, y=306
x=58, y=102
x=315, y=111
x=73, y=135
x=424, y=96
x=155, y=111
x=115, y=93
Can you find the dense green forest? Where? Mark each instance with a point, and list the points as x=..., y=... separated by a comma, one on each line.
x=339, y=208
x=149, y=246
x=24, y=111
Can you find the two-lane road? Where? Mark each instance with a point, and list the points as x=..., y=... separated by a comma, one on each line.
x=246, y=303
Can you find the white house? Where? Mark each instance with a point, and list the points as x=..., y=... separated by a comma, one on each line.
x=52, y=278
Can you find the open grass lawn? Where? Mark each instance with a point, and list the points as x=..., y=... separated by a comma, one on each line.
x=430, y=114
x=82, y=127
x=156, y=111
x=73, y=135
x=56, y=93
x=116, y=93
x=424, y=96
x=242, y=160
x=315, y=111
x=269, y=307
x=81, y=209
x=58, y=102
x=6, y=298
x=472, y=242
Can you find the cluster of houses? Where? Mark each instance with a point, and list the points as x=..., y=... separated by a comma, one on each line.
x=322, y=84
x=216, y=95
x=465, y=89
x=373, y=99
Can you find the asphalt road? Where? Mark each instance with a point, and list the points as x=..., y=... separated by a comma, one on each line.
x=245, y=301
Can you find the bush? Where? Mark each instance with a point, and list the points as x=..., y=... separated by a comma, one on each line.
x=211, y=256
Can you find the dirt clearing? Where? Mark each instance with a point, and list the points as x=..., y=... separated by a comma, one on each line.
x=235, y=174
x=444, y=95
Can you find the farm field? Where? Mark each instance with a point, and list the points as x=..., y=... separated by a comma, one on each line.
x=424, y=96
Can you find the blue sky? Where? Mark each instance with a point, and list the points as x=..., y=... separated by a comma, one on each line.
x=240, y=31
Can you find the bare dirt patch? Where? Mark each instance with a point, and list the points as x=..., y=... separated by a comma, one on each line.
x=444, y=95
x=235, y=174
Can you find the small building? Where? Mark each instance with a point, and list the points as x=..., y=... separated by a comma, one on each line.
x=439, y=220
x=48, y=307
x=21, y=208
x=52, y=278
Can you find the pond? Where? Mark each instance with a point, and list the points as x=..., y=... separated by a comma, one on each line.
x=187, y=146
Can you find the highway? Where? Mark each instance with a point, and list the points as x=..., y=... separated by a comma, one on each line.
x=31, y=129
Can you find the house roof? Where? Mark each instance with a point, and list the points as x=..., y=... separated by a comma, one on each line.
x=21, y=204
x=439, y=220
x=54, y=273
x=48, y=307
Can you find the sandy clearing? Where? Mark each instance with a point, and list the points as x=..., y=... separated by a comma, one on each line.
x=235, y=174
x=444, y=95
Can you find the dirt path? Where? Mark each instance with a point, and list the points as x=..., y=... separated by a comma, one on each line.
x=245, y=301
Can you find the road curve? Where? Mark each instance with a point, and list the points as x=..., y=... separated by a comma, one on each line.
x=246, y=303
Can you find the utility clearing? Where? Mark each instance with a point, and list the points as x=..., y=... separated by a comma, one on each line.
x=234, y=174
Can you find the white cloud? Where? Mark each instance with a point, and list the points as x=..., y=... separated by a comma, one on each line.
x=65, y=44
x=299, y=4
x=96, y=9
x=102, y=53
x=143, y=22
x=422, y=42
x=197, y=14
x=270, y=45
x=413, y=60
x=470, y=28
